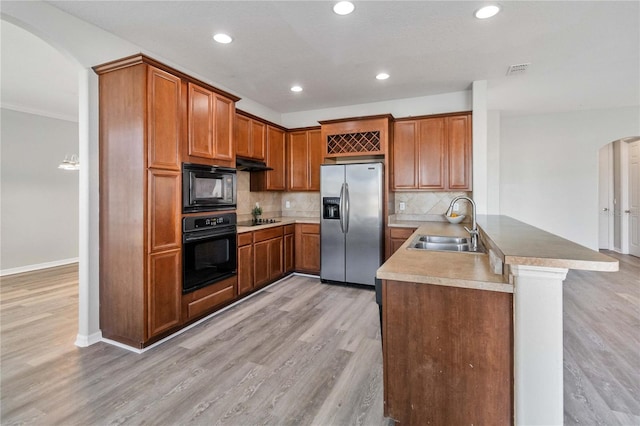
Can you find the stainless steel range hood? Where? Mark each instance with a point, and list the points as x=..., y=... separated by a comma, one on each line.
x=247, y=165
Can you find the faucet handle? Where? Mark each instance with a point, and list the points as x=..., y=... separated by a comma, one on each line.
x=471, y=231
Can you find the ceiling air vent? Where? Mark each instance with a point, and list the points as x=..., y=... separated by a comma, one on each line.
x=518, y=69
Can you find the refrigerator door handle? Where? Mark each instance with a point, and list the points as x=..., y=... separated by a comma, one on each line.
x=341, y=208
x=347, y=208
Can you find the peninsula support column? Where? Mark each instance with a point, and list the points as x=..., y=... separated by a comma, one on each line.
x=538, y=346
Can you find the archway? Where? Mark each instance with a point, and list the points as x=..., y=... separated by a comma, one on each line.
x=51, y=64
x=619, y=196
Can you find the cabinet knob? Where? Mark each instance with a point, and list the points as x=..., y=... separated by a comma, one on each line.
x=605, y=209
x=627, y=211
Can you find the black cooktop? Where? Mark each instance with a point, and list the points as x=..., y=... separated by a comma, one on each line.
x=257, y=222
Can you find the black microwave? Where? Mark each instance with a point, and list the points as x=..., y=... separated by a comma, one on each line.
x=207, y=188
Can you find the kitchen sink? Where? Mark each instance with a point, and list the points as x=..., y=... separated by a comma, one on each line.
x=437, y=239
x=444, y=243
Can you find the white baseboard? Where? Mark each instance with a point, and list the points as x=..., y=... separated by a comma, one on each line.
x=38, y=266
x=82, y=341
x=190, y=326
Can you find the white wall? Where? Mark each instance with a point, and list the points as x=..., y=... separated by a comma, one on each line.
x=549, y=168
x=39, y=218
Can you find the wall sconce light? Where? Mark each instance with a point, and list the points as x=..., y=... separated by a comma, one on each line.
x=70, y=163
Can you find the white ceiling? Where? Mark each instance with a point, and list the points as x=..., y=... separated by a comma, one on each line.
x=584, y=55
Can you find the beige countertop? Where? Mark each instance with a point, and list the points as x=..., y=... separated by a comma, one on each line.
x=282, y=221
x=467, y=270
x=515, y=242
x=521, y=244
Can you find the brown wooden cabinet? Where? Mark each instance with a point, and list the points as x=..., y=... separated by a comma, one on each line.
x=245, y=262
x=210, y=123
x=305, y=153
x=307, y=248
x=267, y=255
x=432, y=153
x=447, y=354
x=250, y=137
x=205, y=300
x=289, y=248
x=397, y=237
x=272, y=180
x=153, y=118
x=141, y=116
x=163, y=293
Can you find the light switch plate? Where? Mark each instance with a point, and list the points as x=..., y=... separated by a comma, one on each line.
x=402, y=206
x=456, y=207
x=287, y=204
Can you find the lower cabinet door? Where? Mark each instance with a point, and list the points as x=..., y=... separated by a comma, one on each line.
x=308, y=248
x=164, y=292
x=276, y=269
x=245, y=269
x=261, y=263
x=288, y=253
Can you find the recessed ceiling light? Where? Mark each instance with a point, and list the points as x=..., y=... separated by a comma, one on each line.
x=343, y=7
x=222, y=38
x=296, y=89
x=382, y=76
x=487, y=12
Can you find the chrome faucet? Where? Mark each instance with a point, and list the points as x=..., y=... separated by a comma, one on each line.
x=474, y=227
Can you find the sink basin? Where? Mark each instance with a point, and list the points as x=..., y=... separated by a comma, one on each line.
x=438, y=239
x=444, y=243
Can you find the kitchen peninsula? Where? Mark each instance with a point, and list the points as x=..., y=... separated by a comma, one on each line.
x=469, y=341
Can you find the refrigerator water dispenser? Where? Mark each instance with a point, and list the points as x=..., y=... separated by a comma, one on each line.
x=331, y=207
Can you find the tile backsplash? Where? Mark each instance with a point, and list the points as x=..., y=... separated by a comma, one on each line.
x=271, y=202
x=427, y=205
x=418, y=205
x=301, y=204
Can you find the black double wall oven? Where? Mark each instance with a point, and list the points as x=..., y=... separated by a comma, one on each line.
x=208, y=241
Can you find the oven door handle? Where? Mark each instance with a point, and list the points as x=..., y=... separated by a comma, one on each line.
x=192, y=237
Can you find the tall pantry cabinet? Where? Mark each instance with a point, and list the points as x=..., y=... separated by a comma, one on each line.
x=143, y=131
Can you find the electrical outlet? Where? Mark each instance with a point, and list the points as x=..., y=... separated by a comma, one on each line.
x=287, y=204
x=402, y=206
x=456, y=207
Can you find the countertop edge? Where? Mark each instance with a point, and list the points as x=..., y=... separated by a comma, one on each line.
x=447, y=282
x=282, y=222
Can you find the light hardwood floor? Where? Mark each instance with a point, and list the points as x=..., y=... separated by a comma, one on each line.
x=299, y=353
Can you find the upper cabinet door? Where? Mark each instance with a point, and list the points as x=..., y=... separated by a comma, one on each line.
x=432, y=153
x=210, y=125
x=258, y=139
x=404, y=155
x=298, y=161
x=242, y=134
x=316, y=152
x=224, y=111
x=201, y=104
x=164, y=117
x=459, y=139
x=276, y=178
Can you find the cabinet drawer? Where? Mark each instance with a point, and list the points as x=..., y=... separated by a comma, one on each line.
x=267, y=234
x=245, y=239
x=289, y=229
x=401, y=232
x=206, y=303
x=309, y=228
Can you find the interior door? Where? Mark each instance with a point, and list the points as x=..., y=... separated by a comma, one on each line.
x=605, y=196
x=634, y=198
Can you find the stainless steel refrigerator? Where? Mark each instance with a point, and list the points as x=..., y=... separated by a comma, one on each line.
x=351, y=225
